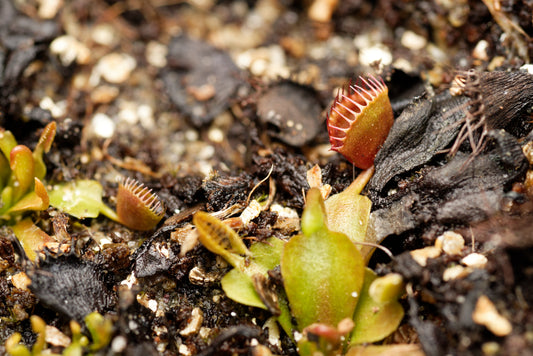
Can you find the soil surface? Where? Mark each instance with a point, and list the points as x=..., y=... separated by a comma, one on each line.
x=213, y=103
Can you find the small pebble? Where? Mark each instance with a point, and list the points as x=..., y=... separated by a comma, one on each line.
x=184, y=350
x=490, y=348
x=481, y=50
x=49, y=8
x=152, y=305
x=421, y=255
x=413, y=41
x=102, y=125
x=204, y=332
x=56, y=109
x=403, y=64
x=264, y=61
x=527, y=68
x=474, y=260
x=128, y=112
x=69, y=49
x=486, y=314
x=104, y=94
x=321, y=10
x=156, y=54
x=215, y=135
x=119, y=344
x=376, y=54
x=196, y=320
x=455, y=272
x=146, y=116
x=116, y=68
x=497, y=61
x=451, y=243
x=104, y=34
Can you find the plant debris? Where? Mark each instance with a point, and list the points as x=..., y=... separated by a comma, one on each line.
x=200, y=79
x=292, y=111
x=71, y=286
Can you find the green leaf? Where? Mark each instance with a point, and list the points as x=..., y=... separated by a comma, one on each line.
x=374, y=320
x=7, y=201
x=101, y=330
x=267, y=255
x=81, y=198
x=238, y=286
x=31, y=237
x=39, y=327
x=15, y=348
x=322, y=270
x=348, y=212
x=285, y=319
x=22, y=169
x=314, y=215
x=387, y=288
x=7, y=142
x=5, y=171
x=35, y=200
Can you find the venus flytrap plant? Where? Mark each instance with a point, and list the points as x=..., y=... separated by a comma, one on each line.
x=21, y=172
x=15, y=348
x=137, y=207
x=327, y=288
x=327, y=284
x=241, y=283
x=322, y=270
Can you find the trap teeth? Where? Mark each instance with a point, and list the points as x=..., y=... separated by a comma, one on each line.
x=137, y=207
x=359, y=121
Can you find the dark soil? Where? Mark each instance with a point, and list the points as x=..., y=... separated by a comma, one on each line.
x=201, y=100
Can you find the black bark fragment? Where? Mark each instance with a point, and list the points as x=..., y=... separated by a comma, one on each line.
x=506, y=99
x=292, y=112
x=157, y=259
x=460, y=192
x=200, y=79
x=496, y=100
x=289, y=172
x=223, y=192
x=22, y=40
x=71, y=286
x=423, y=129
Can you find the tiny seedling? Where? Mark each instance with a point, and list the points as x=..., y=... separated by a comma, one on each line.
x=100, y=329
